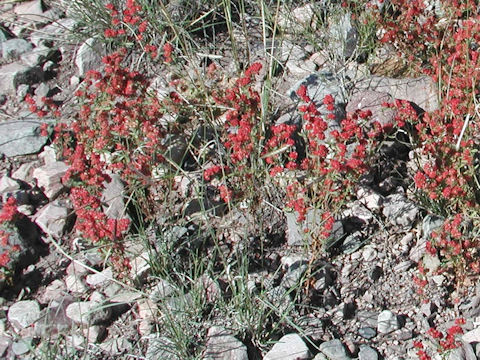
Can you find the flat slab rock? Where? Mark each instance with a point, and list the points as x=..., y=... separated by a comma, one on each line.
x=21, y=137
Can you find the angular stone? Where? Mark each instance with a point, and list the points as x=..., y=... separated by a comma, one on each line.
x=89, y=56
x=334, y=350
x=421, y=91
x=47, y=34
x=161, y=290
x=53, y=219
x=223, y=346
x=15, y=74
x=343, y=36
x=289, y=347
x=88, y=312
x=75, y=284
x=296, y=235
x=113, y=197
x=53, y=292
x=22, y=346
x=99, y=279
x=8, y=185
x=12, y=49
x=399, y=210
x=367, y=353
x=371, y=100
x=23, y=313
x=473, y=336
x=160, y=347
x=125, y=297
x=49, y=178
x=387, y=322
x=38, y=56
x=95, y=333
x=31, y=11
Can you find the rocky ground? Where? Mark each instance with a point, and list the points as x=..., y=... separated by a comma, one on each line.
x=65, y=302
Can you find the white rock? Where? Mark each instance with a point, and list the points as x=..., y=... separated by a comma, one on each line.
x=49, y=178
x=75, y=284
x=289, y=347
x=88, y=312
x=100, y=279
x=23, y=314
x=52, y=219
x=472, y=336
x=222, y=345
x=387, y=322
x=88, y=56
x=7, y=184
x=372, y=200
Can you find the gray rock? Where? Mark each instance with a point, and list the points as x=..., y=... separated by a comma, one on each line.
x=371, y=100
x=464, y=352
x=160, y=347
x=161, y=290
x=342, y=36
x=95, y=333
x=12, y=49
x=88, y=312
x=55, y=291
x=421, y=91
x=53, y=321
x=47, y=34
x=289, y=347
x=15, y=74
x=116, y=346
x=75, y=284
x=223, y=346
x=8, y=185
x=399, y=210
x=296, y=235
x=319, y=85
x=113, y=197
x=49, y=178
x=31, y=11
x=387, y=322
x=299, y=19
x=367, y=332
x=367, y=318
x=38, y=56
x=23, y=313
x=99, y=279
x=472, y=336
x=21, y=137
x=293, y=276
x=89, y=56
x=367, y=353
x=25, y=172
x=125, y=297
x=320, y=356
x=22, y=346
x=352, y=243
x=4, y=344
x=430, y=224
x=53, y=219
x=334, y=350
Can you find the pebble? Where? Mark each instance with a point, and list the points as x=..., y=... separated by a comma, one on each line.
x=367, y=332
